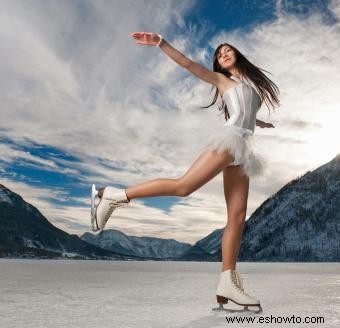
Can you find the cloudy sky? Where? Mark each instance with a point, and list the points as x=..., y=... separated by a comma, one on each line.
x=81, y=103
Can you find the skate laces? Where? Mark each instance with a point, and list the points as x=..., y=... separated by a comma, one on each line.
x=113, y=202
x=112, y=205
x=121, y=203
x=237, y=280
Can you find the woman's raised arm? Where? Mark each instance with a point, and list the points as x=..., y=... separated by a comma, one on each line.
x=152, y=39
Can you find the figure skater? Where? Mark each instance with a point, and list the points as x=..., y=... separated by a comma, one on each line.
x=228, y=150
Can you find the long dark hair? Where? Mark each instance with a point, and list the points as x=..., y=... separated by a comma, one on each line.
x=267, y=89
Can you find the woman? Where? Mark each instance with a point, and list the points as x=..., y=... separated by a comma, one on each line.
x=228, y=150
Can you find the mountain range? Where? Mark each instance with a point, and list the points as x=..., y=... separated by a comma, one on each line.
x=300, y=222
x=151, y=247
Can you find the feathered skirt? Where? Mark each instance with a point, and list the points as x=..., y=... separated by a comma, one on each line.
x=240, y=143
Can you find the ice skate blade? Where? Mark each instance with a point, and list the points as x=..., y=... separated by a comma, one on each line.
x=94, y=194
x=246, y=309
x=223, y=300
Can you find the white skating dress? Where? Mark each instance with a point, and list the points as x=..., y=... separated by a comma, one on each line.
x=237, y=134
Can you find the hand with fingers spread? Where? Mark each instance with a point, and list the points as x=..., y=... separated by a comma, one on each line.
x=147, y=38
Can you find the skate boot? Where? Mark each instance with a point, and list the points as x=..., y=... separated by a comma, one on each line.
x=230, y=288
x=111, y=199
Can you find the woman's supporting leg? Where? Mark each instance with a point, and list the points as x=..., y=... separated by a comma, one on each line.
x=236, y=189
x=205, y=167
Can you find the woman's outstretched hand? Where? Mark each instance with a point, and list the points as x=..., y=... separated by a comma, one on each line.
x=146, y=38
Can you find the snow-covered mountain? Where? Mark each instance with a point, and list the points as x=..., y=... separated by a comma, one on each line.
x=25, y=232
x=117, y=241
x=301, y=222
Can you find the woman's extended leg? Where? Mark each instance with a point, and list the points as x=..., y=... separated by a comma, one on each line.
x=236, y=189
x=205, y=167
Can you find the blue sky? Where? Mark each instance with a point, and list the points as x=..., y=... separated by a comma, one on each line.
x=83, y=104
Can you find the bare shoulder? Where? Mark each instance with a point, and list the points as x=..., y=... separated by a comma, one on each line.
x=224, y=83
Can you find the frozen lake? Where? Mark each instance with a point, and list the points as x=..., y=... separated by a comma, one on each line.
x=49, y=293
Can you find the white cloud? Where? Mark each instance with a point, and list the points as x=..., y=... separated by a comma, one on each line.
x=10, y=154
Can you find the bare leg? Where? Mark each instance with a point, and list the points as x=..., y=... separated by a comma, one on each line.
x=205, y=167
x=236, y=188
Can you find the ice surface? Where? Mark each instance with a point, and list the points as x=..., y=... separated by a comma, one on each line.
x=71, y=293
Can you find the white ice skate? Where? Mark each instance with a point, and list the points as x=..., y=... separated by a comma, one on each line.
x=111, y=199
x=230, y=288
